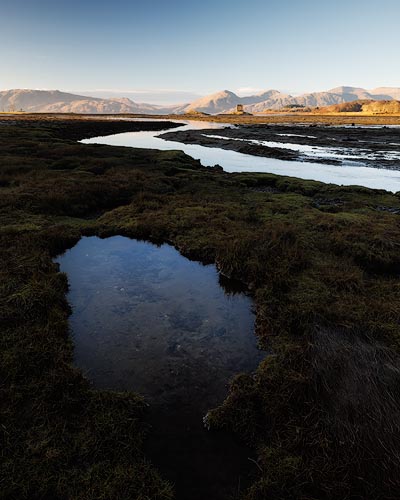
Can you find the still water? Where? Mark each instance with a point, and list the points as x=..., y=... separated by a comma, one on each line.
x=232, y=161
x=149, y=320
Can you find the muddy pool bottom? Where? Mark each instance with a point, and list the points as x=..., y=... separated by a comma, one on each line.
x=149, y=320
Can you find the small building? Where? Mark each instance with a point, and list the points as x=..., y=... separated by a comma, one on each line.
x=239, y=108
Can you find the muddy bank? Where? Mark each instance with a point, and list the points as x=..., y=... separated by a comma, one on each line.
x=377, y=147
x=74, y=128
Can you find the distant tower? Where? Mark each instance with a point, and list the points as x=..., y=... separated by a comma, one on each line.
x=239, y=108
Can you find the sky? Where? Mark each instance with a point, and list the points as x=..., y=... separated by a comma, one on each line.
x=175, y=50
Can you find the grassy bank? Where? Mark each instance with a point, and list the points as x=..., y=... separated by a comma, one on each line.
x=310, y=118
x=322, y=263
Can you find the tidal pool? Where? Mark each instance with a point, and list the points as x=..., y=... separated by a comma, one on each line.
x=149, y=320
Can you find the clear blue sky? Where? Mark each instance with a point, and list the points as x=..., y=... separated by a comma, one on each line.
x=198, y=46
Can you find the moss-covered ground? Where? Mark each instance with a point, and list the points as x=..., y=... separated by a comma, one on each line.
x=322, y=263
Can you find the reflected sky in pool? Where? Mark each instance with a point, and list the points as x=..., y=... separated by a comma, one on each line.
x=147, y=319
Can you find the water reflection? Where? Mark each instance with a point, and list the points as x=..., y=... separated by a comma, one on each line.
x=232, y=161
x=149, y=320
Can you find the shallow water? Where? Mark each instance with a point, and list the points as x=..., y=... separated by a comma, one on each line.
x=231, y=161
x=345, y=155
x=149, y=320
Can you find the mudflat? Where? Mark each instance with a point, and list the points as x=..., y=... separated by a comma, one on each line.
x=377, y=147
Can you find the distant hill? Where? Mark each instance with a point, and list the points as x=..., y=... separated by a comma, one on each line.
x=364, y=106
x=214, y=103
x=225, y=101
x=54, y=101
x=386, y=92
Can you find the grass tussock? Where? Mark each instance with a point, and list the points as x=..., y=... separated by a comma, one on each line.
x=321, y=262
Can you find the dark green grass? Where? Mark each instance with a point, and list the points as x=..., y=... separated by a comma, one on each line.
x=317, y=258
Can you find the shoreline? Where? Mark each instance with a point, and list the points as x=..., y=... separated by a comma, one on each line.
x=278, y=118
x=373, y=148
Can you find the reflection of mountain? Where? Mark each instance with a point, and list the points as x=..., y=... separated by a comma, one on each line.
x=54, y=101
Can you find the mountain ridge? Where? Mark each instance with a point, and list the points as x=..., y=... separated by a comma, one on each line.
x=55, y=101
x=277, y=100
x=224, y=101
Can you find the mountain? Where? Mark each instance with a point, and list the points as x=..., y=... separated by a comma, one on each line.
x=350, y=93
x=330, y=97
x=214, y=103
x=54, y=101
x=389, y=92
x=226, y=101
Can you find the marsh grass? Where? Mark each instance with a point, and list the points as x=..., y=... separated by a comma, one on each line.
x=324, y=277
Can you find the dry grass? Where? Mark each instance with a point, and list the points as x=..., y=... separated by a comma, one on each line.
x=325, y=285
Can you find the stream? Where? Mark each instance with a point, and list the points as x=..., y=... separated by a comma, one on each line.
x=352, y=172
